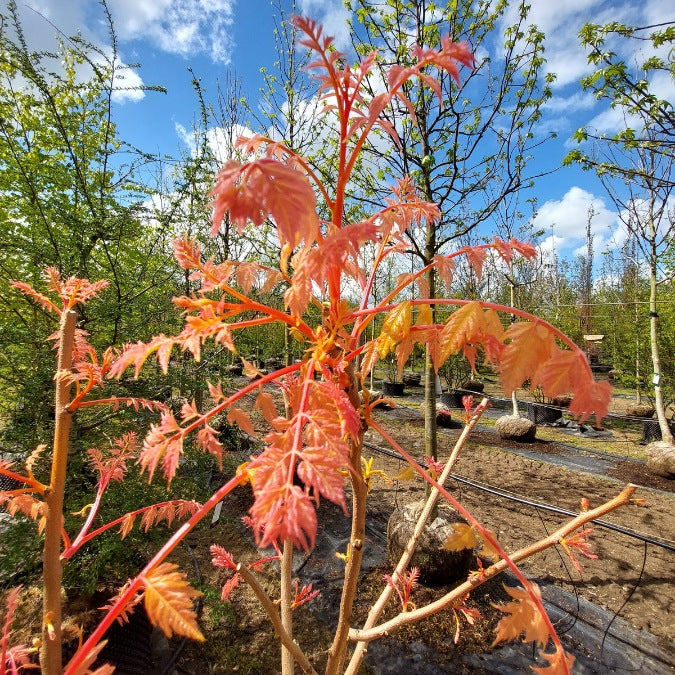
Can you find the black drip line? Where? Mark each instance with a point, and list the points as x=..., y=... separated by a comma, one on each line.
x=656, y=541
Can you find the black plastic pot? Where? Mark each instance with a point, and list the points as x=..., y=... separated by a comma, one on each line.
x=412, y=379
x=393, y=388
x=453, y=399
x=540, y=413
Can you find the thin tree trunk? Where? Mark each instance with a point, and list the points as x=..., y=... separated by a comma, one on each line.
x=287, y=661
x=430, y=429
x=666, y=434
x=50, y=654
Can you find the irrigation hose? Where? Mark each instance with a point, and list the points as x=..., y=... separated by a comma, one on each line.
x=656, y=541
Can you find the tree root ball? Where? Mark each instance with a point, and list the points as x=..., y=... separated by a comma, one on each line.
x=516, y=428
x=437, y=566
x=661, y=458
x=640, y=410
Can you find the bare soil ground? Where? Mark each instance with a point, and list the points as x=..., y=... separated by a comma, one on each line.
x=631, y=578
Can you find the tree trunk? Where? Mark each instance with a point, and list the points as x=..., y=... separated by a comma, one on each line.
x=666, y=434
x=430, y=429
x=50, y=654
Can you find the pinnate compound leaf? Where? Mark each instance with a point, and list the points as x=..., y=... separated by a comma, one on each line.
x=187, y=252
x=462, y=538
x=315, y=443
x=168, y=601
x=221, y=557
x=523, y=616
x=127, y=524
x=229, y=586
x=164, y=442
x=207, y=437
x=560, y=663
x=286, y=513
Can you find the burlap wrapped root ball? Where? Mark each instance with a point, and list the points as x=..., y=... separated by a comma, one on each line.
x=437, y=566
x=516, y=428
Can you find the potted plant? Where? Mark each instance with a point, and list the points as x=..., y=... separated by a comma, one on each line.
x=454, y=372
x=542, y=410
x=392, y=386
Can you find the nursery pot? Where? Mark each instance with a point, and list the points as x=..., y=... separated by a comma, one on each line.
x=453, y=399
x=540, y=413
x=437, y=566
x=412, y=379
x=393, y=388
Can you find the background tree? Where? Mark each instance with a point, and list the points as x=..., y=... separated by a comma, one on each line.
x=635, y=164
x=69, y=198
x=468, y=151
x=629, y=85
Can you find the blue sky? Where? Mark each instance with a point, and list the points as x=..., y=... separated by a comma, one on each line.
x=167, y=36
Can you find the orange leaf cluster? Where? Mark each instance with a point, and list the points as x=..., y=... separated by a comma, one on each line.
x=177, y=509
x=71, y=292
x=523, y=616
x=314, y=445
x=164, y=442
x=113, y=466
x=267, y=188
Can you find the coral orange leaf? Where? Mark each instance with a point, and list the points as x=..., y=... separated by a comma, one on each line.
x=558, y=375
x=168, y=601
x=592, y=397
x=466, y=324
x=523, y=617
x=531, y=344
x=242, y=419
x=266, y=188
x=163, y=442
x=265, y=403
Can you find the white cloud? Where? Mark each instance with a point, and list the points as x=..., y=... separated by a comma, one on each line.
x=550, y=245
x=332, y=15
x=566, y=219
x=220, y=140
x=127, y=86
x=45, y=22
x=662, y=86
x=578, y=101
x=184, y=27
x=561, y=22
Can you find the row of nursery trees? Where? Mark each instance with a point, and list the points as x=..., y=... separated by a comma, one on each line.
x=292, y=245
